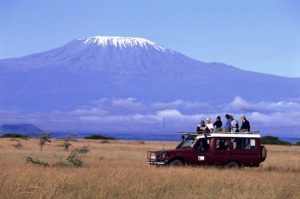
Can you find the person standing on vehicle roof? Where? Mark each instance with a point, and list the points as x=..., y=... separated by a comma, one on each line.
x=201, y=127
x=209, y=125
x=245, y=124
x=227, y=125
x=234, y=125
x=218, y=123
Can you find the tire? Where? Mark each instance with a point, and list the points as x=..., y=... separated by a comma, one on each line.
x=176, y=163
x=232, y=165
x=263, y=153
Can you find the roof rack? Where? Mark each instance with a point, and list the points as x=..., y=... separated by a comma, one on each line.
x=184, y=133
x=193, y=134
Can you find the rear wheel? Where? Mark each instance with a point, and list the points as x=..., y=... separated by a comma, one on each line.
x=177, y=163
x=232, y=164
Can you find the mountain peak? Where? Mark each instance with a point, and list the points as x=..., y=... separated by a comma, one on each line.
x=121, y=42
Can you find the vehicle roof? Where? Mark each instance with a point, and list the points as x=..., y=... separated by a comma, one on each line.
x=230, y=135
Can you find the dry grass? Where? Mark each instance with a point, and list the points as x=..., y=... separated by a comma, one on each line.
x=120, y=170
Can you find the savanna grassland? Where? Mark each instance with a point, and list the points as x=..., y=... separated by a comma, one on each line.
x=119, y=170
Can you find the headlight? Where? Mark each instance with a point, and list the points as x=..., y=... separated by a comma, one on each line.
x=153, y=156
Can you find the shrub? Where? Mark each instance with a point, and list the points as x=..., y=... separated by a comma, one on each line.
x=82, y=150
x=31, y=160
x=273, y=140
x=99, y=137
x=67, y=141
x=104, y=141
x=45, y=137
x=18, y=145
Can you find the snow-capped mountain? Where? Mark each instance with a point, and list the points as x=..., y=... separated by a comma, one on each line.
x=86, y=70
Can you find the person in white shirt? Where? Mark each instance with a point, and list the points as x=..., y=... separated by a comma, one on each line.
x=209, y=125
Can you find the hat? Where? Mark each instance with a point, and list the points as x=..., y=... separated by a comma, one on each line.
x=208, y=119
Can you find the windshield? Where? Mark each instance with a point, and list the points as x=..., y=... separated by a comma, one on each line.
x=186, y=143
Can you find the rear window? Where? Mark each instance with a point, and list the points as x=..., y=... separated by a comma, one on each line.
x=243, y=143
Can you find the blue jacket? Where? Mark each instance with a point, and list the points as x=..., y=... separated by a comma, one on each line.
x=227, y=124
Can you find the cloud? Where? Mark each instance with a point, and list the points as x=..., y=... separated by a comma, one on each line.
x=105, y=115
x=89, y=111
x=240, y=104
x=129, y=103
x=180, y=104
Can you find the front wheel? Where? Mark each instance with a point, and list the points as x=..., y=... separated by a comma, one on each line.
x=232, y=164
x=176, y=163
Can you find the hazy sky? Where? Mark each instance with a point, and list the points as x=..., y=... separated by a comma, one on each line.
x=256, y=35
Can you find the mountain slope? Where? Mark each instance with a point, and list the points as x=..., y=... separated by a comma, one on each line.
x=88, y=69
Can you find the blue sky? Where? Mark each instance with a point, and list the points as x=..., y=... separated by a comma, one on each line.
x=262, y=36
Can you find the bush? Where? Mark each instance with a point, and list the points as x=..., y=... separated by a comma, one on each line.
x=273, y=140
x=99, y=137
x=37, y=162
x=15, y=135
x=297, y=143
x=104, y=141
x=44, y=137
x=18, y=145
x=67, y=141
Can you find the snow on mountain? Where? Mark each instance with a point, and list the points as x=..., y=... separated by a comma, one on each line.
x=86, y=70
x=94, y=53
x=122, y=42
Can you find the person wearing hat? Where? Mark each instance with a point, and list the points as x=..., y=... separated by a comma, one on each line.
x=209, y=125
x=245, y=124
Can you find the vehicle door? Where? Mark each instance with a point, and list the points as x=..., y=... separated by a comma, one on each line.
x=220, y=151
x=201, y=153
x=245, y=150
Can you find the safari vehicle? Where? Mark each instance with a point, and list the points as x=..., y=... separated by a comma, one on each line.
x=219, y=149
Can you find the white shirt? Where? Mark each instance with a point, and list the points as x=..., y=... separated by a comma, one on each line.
x=210, y=126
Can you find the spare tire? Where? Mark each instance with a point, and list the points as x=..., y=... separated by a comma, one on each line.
x=263, y=153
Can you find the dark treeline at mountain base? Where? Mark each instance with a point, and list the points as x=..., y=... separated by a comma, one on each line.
x=275, y=141
x=99, y=137
x=271, y=140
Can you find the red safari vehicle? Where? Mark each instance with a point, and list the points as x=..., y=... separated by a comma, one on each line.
x=219, y=149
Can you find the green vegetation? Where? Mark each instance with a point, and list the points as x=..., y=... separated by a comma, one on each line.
x=297, y=143
x=45, y=137
x=35, y=161
x=18, y=145
x=67, y=141
x=99, y=137
x=15, y=135
x=273, y=140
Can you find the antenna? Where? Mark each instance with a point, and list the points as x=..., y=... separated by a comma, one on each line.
x=164, y=124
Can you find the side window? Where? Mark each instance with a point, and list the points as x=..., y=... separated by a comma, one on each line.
x=243, y=143
x=202, y=144
x=221, y=144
